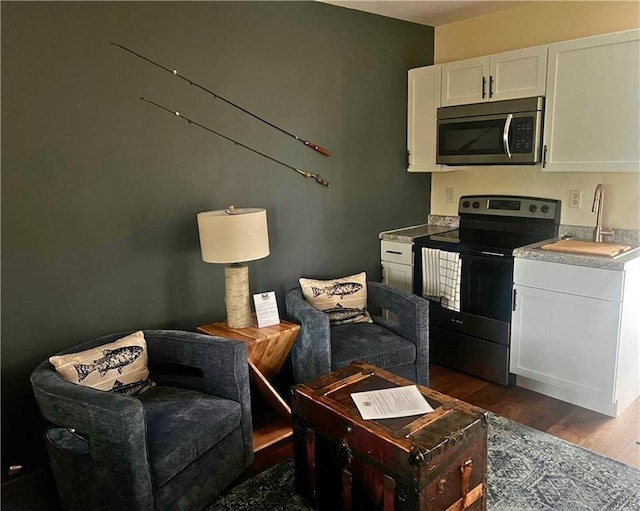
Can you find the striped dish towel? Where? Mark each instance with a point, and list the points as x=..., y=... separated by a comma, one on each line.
x=431, y=273
x=450, y=269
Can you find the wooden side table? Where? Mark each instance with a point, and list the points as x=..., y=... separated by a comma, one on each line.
x=267, y=349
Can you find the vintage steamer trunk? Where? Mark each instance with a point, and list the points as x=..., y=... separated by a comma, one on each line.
x=436, y=461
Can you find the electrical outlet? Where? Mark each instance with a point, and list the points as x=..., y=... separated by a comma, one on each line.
x=448, y=194
x=575, y=198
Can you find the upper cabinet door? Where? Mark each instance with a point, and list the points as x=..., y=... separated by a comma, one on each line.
x=465, y=81
x=423, y=102
x=508, y=75
x=518, y=74
x=592, y=120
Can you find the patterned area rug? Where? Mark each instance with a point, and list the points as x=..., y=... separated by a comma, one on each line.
x=527, y=471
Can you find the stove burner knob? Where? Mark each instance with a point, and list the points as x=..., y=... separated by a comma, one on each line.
x=465, y=204
x=533, y=208
x=544, y=209
x=476, y=204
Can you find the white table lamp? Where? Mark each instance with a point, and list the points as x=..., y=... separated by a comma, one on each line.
x=234, y=237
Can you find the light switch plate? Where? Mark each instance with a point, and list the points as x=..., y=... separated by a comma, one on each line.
x=448, y=194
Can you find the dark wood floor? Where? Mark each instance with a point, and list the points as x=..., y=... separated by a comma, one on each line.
x=615, y=438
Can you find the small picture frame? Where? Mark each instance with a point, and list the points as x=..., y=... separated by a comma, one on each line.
x=266, y=309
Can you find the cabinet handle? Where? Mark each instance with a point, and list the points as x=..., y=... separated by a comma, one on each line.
x=393, y=252
x=513, y=307
x=408, y=158
x=484, y=84
x=491, y=86
x=544, y=156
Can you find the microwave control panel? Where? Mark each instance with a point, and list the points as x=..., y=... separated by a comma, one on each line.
x=522, y=133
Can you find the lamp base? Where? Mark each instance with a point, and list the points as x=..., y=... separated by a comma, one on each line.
x=236, y=295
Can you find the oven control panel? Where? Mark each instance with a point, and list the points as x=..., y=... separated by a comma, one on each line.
x=510, y=206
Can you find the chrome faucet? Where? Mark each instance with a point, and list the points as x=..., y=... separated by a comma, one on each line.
x=597, y=208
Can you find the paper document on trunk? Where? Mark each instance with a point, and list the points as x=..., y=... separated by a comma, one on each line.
x=391, y=403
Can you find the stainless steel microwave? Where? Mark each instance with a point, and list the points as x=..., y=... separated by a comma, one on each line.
x=493, y=133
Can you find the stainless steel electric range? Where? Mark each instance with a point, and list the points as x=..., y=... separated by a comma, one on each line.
x=475, y=338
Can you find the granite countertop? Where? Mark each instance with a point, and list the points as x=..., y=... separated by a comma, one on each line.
x=534, y=251
x=437, y=224
x=407, y=234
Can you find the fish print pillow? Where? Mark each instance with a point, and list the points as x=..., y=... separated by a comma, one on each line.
x=344, y=300
x=120, y=366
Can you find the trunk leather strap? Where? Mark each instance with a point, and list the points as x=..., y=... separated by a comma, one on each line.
x=468, y=497
x=466, y=469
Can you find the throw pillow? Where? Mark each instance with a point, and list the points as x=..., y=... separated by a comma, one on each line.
x=120, y=366
x=344, y=300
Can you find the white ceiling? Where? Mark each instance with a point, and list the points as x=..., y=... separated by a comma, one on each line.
x=427, y=12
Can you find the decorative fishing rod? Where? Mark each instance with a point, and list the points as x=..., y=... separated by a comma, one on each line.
x=304, y=173
x=174, y=72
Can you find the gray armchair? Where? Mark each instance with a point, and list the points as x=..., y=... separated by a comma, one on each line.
x=175, y=447
x=400, y=346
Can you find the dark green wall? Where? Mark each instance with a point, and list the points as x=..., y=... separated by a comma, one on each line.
x=100, y=190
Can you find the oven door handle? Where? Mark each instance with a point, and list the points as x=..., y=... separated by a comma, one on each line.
x=483, y=252
x=462, y=251
x=479, y=253
x=505, y=135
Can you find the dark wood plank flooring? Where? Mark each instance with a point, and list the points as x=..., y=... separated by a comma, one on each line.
x=612, y=437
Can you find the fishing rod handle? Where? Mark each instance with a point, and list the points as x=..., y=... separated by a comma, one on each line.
x=315, y=177
x=322, y=181
x=316, y=147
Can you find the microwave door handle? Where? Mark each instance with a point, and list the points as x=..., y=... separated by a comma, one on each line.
x=505, y=135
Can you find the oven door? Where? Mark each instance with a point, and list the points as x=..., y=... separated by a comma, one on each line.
x=490, y=139
x=486, y=283
x=476, y=339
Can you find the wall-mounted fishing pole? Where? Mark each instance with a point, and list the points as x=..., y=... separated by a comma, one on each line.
x=174, y=72
x=304, y=173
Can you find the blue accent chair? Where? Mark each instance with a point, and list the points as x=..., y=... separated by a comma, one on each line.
x=174, y=447
x=400, y=345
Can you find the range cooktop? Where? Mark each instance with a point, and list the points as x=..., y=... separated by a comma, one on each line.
x=498, y=223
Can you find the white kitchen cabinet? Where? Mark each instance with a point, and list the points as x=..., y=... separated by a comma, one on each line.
x=423, y=102
x=397, y=264
x=398, y=275
x=465, y=81
x=574, y=333
x=509, y=75
x=592, y=115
